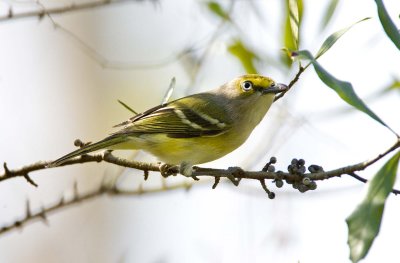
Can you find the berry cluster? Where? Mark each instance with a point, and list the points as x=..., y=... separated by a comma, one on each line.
x=297, y=168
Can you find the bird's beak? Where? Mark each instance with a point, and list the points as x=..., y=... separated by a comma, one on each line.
x=278, y=88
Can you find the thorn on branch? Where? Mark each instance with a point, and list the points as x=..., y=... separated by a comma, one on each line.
x=43, y=216
x=10, y=13
x=17, y=224
x=146, y=174
x=61, y=202
x=41, y=14
x=235, y=175
x=194, y=177
x=6, y=170
x=29, y=179
x=217, y=179
x=28, y=213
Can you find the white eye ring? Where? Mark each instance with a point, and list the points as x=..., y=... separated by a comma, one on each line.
x=247, y=85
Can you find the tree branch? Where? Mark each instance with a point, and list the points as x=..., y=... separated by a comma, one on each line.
x=42, y=214
x=41, y=11
x=296, y=174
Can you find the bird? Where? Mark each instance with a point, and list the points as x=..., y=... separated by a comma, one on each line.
x=195, y=129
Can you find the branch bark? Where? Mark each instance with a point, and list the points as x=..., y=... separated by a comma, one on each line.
x=233, y=174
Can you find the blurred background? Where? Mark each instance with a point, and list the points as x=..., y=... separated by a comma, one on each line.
x=61, y=77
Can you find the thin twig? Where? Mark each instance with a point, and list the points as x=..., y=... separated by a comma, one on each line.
x=39, y=13
x=296, y=78
x=118, y=65
x=363, y=180
x=208, y=45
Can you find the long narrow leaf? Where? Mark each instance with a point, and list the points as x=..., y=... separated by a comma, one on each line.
x=364, y=223
x=127, y=107
x=294, y=20
x=245, y=56
x=343, y=88
x=331, y=40
x=216, y=8
x=169, y=91
x=330, y=10
x=292, y=23
x=390, y=28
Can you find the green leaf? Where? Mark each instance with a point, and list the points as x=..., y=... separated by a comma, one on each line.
x=343, y=88
x=393, y=86
x=216, y=8
x=388, y=25
x=291, y=26
x=294, y=9
x=364, y=223
x=330, y=10
x=245, y=56
x=331, y=40
x=127, y=107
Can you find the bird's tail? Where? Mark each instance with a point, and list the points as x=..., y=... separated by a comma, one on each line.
x=103, y=144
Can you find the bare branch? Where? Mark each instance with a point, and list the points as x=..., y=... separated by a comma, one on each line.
x=40, y=12
x=42, y=214
x=118, y=65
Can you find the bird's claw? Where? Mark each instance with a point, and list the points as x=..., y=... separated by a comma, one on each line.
x=186, y=169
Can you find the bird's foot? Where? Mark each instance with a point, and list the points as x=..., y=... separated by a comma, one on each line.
x=186, y=169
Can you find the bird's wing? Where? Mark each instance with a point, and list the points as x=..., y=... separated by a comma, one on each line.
x=192, y=116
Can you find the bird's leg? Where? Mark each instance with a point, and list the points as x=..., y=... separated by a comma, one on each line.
x=186, y=169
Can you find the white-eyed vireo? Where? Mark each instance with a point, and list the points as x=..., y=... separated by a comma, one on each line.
x=195, y=129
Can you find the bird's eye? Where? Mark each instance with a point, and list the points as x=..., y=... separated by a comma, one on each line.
x=247, y=85
x=273, y=84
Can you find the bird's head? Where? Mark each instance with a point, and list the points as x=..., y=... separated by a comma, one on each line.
x=250, y=96
x=252, y=86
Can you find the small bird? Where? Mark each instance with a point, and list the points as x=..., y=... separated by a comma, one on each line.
x=195, y=129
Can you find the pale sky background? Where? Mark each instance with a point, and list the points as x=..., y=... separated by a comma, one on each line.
x=51, y=93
